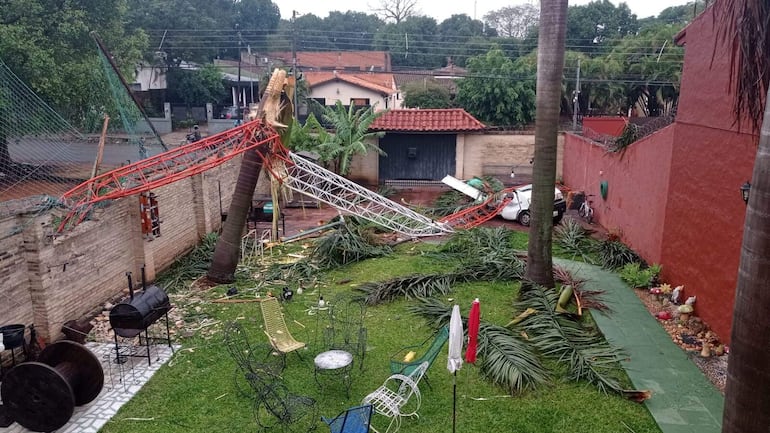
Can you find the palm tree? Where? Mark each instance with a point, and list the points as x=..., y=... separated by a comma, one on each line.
x=227, y=250
x=550, y=63
x=351, y=134
x=744, y=24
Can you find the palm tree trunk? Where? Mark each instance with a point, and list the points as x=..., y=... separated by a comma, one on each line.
x=550, y=63
x=227, y=251
x=747, y=399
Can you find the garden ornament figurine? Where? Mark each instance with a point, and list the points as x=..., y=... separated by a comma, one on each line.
x=677, y=294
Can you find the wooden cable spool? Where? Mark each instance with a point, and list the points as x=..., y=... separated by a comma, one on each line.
x=42, y=395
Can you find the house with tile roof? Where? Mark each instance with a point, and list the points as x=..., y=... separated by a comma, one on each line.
x=424, y=145
x=351, y=88
x=370, y=61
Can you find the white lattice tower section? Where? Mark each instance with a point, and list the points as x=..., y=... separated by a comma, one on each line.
x=311, y=179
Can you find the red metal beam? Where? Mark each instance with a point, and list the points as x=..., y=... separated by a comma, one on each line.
x=169, y=167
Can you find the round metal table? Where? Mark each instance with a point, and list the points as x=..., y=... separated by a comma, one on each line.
x=334, y=363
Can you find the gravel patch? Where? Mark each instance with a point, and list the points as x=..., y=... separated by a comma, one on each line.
x=691, y=335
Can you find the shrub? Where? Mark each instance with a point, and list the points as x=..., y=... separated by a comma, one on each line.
x=636, y=275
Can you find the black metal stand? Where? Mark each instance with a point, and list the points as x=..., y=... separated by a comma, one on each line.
x=144, y=342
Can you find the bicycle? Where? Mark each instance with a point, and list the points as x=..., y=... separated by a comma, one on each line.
x=586, y=211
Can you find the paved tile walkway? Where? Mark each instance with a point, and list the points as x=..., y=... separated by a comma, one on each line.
x=121, y=382
x=683, y=400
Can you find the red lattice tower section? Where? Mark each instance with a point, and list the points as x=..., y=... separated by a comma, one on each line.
x=168, y=167
x=476, y=215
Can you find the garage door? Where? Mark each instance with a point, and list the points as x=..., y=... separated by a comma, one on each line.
x=417, y=157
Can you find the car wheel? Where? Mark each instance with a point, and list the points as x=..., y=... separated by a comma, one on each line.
x=524, y=218
x=557, y=219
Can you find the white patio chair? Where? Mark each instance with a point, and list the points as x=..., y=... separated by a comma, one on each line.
x=398, y=397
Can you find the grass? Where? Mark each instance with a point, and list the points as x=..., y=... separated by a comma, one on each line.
x=195, y=392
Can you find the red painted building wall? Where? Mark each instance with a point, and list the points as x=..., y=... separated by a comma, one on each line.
x=596, y=127
x=637, y=180
x=675, y=194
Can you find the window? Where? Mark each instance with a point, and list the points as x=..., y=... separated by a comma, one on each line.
x=359, y=102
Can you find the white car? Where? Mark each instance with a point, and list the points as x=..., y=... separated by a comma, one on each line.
x=518, y=208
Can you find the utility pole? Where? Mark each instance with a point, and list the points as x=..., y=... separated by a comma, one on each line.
x=294, y=61
x=575, y=100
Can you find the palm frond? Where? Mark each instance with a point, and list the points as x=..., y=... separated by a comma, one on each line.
x=410, y=286
x=347, y=244
x=506, y=359
x=573, y=239
x=557, y=336
x=614, y=254
x=744, y=27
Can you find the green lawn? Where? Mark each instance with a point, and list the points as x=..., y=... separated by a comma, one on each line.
x=195, y=391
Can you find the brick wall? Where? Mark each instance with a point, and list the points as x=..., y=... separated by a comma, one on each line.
x=49, y=280
x=15, y=300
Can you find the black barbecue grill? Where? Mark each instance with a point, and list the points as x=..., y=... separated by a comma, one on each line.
x=131, y=318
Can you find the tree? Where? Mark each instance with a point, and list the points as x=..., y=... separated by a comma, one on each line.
x=351, y=136
x=744, y=24
x=396, y=10
x=411, y=43
x=225, y=259
x=514, y=21
x=426, y=94
x=459, y=36
x=497, y=91
x=550, y=63
x=351, y=30
x=255, y=19
x=48, y=47
x=196, y=87
x=590, y=26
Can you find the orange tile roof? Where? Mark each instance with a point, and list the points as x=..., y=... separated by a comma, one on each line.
x=379, y=82
x=364, y=60
x=432, y=120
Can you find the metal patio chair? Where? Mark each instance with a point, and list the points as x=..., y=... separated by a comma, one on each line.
x=354, y=420
x=345, y=329
x=275, y=329
x=249, y=358
x=277, y=409
x=398, y=397
x=398, y=365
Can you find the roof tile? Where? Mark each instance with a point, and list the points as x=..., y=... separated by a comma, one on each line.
x=429, y=120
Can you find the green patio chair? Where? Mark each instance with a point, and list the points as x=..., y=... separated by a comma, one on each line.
x=399, y=366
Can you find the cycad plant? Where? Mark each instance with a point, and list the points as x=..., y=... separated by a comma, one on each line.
x=351, y=134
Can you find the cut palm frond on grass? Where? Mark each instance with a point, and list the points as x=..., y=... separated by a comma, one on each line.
x=614, y=254
x=506, y=359
x=590, y=299
x=410, y=286
x=574, y=239
x=586, y=353
x=428, y=285
x=478, y=242
x=347, y=244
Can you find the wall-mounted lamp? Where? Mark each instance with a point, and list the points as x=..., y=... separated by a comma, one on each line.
x=745, y=188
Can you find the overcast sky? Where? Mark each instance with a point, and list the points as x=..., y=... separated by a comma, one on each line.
x=443, y=9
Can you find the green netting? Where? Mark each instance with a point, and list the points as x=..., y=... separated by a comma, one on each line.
x=130, y=117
